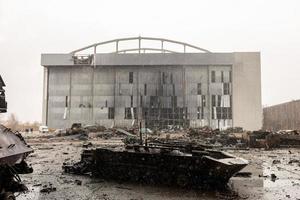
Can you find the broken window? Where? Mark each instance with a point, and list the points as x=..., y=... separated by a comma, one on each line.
x=213, y=76
x=163, y=78
x=145, y=89
x=128, y=113
x=130, y=77
x=174, y=101
x=199, y=91
x=83, y=59
x=219, y=112
x=203, y=101
x=223, y=113
x=226, y=88
x=111, y=113
x=213, y=100
x=131, y=101
x=222, y=76
x=200, y=113
x=229, y=115
x=145, y=113
x=173, y=85
x=153, y=101
x=66, y=101
x=219, y=100
x=141, y=101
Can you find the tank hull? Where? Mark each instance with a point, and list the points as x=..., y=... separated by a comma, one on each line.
x=195, y=168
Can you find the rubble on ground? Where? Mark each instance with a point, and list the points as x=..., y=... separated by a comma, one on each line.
x=49, y=157
x=13, y=152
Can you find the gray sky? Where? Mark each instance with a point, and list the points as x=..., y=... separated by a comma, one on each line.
x=29, y=28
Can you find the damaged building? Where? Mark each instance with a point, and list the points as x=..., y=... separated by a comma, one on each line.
x=171, y=84
x=284, y=116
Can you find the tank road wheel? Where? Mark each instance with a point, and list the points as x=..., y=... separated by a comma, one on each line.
x=182, y=180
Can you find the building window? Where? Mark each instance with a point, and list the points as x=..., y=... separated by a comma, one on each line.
x=219, y=100
x=145, y=89
x=141, y=101
x=153, y=101
x=106, y=103
x=200, y=113
x=174, y=101
x=222, y=76
x=130, y=77
x=203, y=101
x=226, y=88
x=111, y=113
x=199, y=91
x=131, y=101
x=173, y=85
x=213, y=100
x=163, y=78
x=213, y=76
x=171, y=78
x=129, y=112
x=66, y=101
x=230, y=76
x=223, y=113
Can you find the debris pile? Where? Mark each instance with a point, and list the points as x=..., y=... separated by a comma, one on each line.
x=13, y=151
x=232, y=137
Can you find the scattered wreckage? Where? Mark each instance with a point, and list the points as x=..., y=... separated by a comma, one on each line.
x=165, y=163
x=13, y=151
x=269, y=139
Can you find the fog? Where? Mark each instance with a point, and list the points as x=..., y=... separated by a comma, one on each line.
x=29, y=28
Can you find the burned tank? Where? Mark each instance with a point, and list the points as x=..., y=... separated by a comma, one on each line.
x=13, y=151
x=3, y=103
x=170, y=164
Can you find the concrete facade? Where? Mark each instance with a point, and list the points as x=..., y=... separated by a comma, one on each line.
x=160, y=90
x=285, y=116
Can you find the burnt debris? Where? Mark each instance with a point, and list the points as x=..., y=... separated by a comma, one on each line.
x=13, y=151
x=165, y=163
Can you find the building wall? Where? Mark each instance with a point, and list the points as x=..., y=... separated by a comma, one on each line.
x=188, y=94
x=284, y=116
x=85, y=94
x=247, y=109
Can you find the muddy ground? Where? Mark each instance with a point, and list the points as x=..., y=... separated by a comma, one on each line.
x=50, y=154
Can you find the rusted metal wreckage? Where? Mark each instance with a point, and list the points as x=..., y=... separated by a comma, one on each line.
x=171, y=164
x=13, y=151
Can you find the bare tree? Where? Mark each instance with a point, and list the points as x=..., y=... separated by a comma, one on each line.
x=12, y=122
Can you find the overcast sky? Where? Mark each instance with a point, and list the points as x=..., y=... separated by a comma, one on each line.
x=29, y=28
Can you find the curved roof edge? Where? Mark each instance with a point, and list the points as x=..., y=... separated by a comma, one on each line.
x=140, y=49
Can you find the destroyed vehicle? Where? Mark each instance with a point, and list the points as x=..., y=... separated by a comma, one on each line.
x=43, y=129
x=13, y=151
x=169, y=165
x=3, y=103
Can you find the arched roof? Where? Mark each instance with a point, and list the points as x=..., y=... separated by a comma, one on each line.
x=141, y=49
